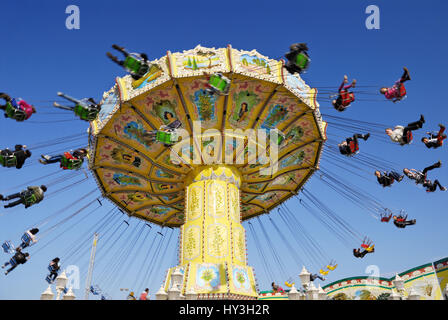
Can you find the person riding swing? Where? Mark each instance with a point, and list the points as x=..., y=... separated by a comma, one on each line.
x=298, y=58
x=68, y=160
x=136, y=64
x=218, y=84
x=350, y=146
x=401, y=221
x=167, y=134
x=398, y=91
x=17, y=109
x=18, y=258
x=403, y=135
x=86, y=109
x=345, y=97
x=14, y=158
x=31, y=196
x=435, y=140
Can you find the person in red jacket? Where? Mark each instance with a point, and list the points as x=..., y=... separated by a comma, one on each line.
x=397, y=92
x=144, y=295
x=276, y=288
x=435, y=140
x=67, y=160
x=401, y=221
x=345, y=97
x=350, y=146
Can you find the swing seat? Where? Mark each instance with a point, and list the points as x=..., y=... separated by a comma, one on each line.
x=8, y=161
x=135, y=64
x=30, y=199
x=71, y=164
x=219, y=83
x=13, y=111
x=409, y=137
x=322, y=272
x=302, y=61
x=94, y=290
x=167, y=138
x=87, y=113
x=402, y=90
x=280, y=137
x=26, y=238
x=365, y=246
x=330, y=267
x=354, y=147
x=49, y=280
x=347, y=98
x=8, y=247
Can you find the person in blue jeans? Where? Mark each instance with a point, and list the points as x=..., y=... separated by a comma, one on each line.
x=386, y=179
x=18, y=258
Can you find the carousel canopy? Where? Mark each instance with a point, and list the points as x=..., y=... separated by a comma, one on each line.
x=147, y=179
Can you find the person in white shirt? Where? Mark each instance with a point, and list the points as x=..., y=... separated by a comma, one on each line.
x=403, y=135
x=31, y=239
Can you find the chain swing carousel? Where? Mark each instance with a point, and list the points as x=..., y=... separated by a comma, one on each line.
x=218, y=174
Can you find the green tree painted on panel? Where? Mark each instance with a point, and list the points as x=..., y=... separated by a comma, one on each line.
x=195, y=66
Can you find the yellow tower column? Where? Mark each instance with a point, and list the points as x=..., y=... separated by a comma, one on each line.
x=213, y=242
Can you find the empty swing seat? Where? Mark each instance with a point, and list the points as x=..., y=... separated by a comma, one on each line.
x=219, y=83
x=8, y=247
x=26, y=238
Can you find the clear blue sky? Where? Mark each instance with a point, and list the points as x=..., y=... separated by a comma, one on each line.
x=40, y=56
